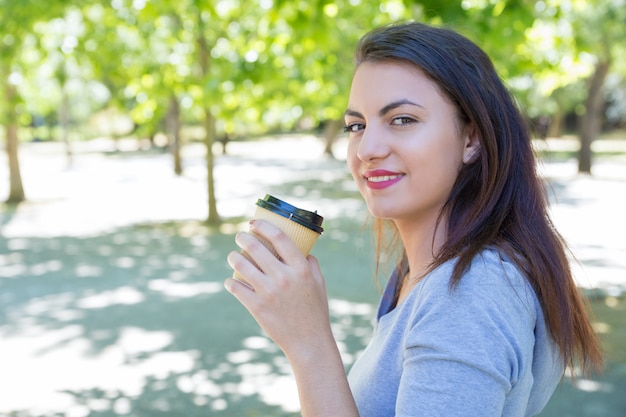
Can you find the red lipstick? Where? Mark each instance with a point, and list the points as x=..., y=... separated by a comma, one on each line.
x=379, y=179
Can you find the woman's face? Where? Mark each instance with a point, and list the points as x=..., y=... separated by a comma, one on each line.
x=406, y=143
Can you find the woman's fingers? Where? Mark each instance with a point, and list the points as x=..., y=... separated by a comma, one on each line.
x=242, y=266
x=266, y=248
x=316, y=269
x=245, y=263
x=283, y=246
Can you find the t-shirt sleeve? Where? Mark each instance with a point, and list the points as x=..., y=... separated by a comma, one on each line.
x=464, y=347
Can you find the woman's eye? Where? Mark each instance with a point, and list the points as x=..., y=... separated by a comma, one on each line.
x=401, y=121
x=353, y=127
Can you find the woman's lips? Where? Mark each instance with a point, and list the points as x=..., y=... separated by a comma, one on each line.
x=380, y=179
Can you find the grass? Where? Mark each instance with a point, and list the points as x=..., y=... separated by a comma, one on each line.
x=610, y=323
x=126, y=289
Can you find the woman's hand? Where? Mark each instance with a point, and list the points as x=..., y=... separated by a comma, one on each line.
x=287, y=296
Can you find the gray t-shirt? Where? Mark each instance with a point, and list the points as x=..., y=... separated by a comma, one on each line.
x=481, y=349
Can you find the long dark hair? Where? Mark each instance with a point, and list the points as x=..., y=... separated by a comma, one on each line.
x=498, y=198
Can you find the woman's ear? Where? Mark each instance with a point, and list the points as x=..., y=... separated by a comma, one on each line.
x=472, y=144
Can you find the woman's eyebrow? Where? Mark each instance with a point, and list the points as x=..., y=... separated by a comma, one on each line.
x=389, y=107
x=396, y=104
x=353, y=113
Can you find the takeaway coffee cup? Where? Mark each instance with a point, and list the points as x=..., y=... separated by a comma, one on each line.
x=303, y=227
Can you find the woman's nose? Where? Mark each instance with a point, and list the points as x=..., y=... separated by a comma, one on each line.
x=372, y=145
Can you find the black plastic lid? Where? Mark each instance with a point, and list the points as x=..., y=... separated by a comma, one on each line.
x=308, y=219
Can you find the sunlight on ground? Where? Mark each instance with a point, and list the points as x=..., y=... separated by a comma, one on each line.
x=98, y=192
x=60, y=361
x=589, y=213
x=184, y=290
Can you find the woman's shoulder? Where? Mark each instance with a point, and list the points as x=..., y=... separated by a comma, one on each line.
x=490, y=267
x=492, y=282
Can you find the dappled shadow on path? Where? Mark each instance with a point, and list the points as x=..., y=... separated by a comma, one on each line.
x=136, y=322
x=588, y=210
x=590, y=397
x=598, y=395
x=7, y=211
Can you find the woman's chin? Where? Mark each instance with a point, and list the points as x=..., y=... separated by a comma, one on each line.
x=382, y=213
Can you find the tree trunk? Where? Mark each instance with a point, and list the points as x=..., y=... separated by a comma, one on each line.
x=209, y=139
x=331, y=131
x=16, y=189
x=555, y=130
x=64, y=121
x=591, y=121
x=213, y=217
x=172, y=125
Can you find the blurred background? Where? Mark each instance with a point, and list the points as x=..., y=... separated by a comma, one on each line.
x=139, y=134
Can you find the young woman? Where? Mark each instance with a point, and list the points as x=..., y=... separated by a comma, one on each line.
x=481, y=316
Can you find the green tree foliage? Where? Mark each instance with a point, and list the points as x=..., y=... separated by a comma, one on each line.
x=571, y=48
x=18, y=22
x=239, y=67
x=316, y=54
x=599, y=29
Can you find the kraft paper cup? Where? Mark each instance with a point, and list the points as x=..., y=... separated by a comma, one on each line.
x=303, y=227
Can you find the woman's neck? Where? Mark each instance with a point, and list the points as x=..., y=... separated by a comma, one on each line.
x=422, y=241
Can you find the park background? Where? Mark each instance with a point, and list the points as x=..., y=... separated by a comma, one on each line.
x=139, y=134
